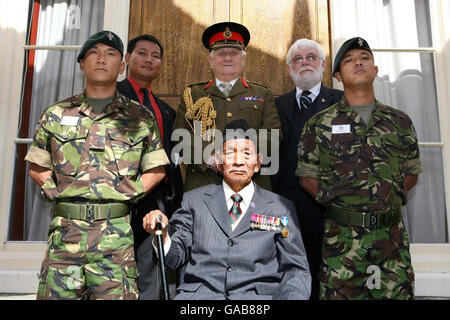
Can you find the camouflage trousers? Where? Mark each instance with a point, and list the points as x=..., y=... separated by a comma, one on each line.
x=89, y=260
x=360, y=263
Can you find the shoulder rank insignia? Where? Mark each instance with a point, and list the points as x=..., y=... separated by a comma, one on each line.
x=208, y=85
x=244, y=83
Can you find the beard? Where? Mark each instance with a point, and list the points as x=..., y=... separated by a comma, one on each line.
x=308, y=80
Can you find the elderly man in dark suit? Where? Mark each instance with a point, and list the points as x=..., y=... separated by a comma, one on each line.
x=143, y=58
x=238, y=241
x=306, y=64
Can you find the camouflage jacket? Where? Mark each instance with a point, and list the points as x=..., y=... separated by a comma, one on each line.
x=247, y=100
x=359, y=167
x=96, y=157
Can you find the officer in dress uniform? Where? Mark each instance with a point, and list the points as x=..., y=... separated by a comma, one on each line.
x=224, y=99
x=94, y=154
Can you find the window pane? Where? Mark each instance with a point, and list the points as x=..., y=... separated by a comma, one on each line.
x=384, y=23
x=406, y=81
x=425, y=214
x=55, y=76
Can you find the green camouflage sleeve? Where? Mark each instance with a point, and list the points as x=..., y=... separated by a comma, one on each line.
x=413, y=162
x=39, y=153
x=154, y=154
x=308, y=153
x=309, y=160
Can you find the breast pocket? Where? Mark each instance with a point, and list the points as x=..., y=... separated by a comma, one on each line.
x=67, y=148
x=251, y=111
x=340, y=156
x=127, y=149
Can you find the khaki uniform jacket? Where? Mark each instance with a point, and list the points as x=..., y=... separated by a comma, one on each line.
x=247, y=100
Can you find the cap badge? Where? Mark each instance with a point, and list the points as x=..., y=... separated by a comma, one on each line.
x=227, y=34
x=360, y=42
x=110, y=36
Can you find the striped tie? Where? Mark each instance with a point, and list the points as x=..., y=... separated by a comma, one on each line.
x=235, y=210
x=305, y=100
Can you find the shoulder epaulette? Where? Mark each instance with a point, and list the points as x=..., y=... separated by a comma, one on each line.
x=69, y=102
x=244, y=83
x=253, y=83
x=208, y=85
x=198, y=84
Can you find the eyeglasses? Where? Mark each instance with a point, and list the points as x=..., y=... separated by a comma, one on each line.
x=308, y=58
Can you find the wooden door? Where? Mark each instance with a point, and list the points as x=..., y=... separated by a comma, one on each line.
x=273, y=24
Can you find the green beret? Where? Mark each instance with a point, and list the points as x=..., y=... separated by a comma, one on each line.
x=106, y=37
x=353, y=43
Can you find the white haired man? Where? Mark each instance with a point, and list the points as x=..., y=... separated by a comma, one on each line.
x=306, y=65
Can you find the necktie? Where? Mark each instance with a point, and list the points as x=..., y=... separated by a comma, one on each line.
x=150, y=101
x=235, y=210
x=226, y=88
x=305, y=100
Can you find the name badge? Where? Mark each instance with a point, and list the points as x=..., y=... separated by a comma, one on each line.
x=340, y=128
x=70, y=121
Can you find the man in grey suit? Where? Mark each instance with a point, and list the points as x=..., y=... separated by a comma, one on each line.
x=236, y=240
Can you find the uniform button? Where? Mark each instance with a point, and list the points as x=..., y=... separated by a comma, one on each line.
x=229, y=268
x=255, y=107
x=229, y=99
x=227, y=293
x=230, y=243
x=229, y=114
x=193, y=170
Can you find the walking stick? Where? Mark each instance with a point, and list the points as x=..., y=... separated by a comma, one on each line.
x=161, y=260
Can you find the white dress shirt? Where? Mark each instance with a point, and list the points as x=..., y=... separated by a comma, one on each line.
x=218, y=82
x=314, y=93
x=246, y=194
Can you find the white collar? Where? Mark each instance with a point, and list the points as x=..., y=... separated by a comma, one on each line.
x=232, y=82
x=314, y=91
x=246, y=193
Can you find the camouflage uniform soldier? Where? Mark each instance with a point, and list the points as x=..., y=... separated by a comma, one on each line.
x=215, y=106
x=93, y=154
x=359, y=158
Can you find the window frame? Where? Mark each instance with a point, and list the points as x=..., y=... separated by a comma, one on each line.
x=20, y=260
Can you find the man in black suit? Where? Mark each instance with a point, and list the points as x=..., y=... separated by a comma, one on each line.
x=306, y=64
x=143, y=57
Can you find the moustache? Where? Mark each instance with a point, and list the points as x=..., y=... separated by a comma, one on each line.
x=306, y=68
x=243, y=170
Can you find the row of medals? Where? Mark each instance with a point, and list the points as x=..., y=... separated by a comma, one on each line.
x=270, y=223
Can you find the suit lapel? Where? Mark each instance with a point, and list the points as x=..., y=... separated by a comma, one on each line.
x=323, y=100
x=216, y=203
x=292, y=105
x=257, y=205
x=128, y=90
